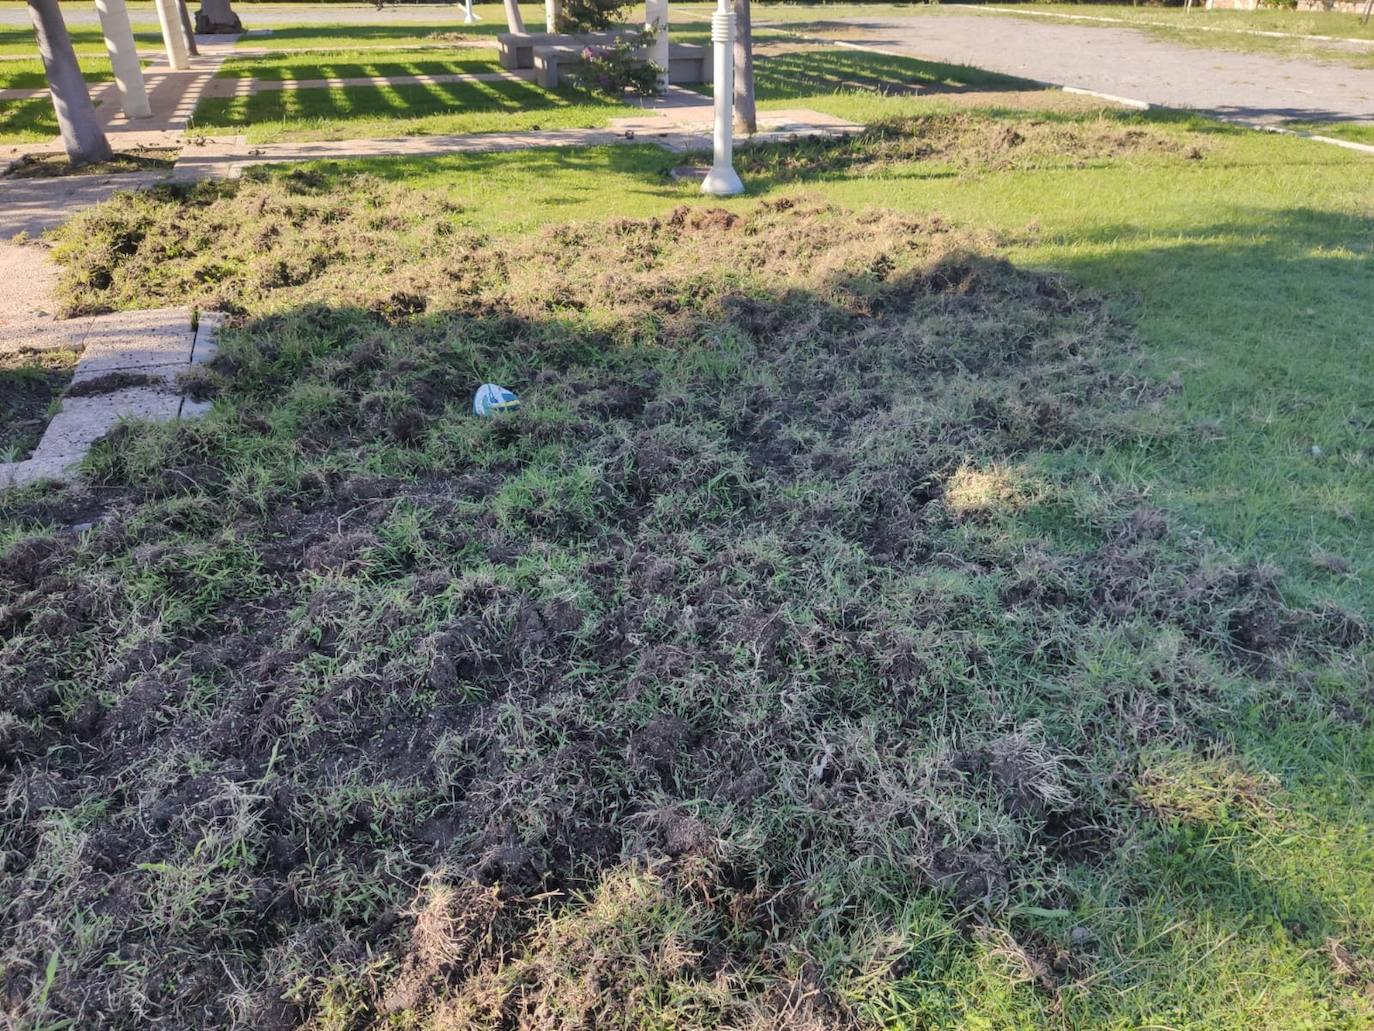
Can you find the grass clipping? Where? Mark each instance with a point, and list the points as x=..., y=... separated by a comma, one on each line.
x=666, y=702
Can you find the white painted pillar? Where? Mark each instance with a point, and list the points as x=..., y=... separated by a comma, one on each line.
x=722, y=181
x=552, y=8
x=656, y=20
x=169, y=19
x=119, y=42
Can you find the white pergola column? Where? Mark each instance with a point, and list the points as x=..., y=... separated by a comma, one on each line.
x=173, y=39
x=119, y=42
x=656, y=20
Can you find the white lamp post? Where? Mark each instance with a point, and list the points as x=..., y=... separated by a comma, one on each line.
x=722, y=181
x=468, y=17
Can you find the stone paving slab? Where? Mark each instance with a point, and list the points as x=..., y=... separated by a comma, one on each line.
x=159, y=344
x=205, y=346
x=136, y=341
x=84, y=420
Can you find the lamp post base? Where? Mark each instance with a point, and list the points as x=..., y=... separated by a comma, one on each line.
x=722, y=182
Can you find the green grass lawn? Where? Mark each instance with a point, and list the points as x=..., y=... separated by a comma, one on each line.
x=910, y=598
x=30, y=75
x=333, y=36
x=86, y=40
x=24, y=121
x=27, y=121
x=1356, y=132
x=368, y=111
x=346, y=64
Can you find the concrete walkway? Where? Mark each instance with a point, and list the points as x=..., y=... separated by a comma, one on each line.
x=34, y=206
x=1255, y=89
x=226, y=158
x=27, y=306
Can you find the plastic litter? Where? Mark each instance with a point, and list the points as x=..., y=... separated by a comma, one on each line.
x=492, y=399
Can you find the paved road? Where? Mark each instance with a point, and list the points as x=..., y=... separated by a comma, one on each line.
x=1254, y=88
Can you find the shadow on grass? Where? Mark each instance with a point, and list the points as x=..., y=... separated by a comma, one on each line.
x=487, y=106
x=289, y=37
x=28, y=120
x=811, y=72
x=353, y=66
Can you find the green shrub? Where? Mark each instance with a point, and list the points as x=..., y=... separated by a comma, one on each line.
x=589, y=15
x=619, y=68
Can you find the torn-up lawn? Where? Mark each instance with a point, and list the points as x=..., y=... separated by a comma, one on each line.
x=31, y=382
x=760, y=672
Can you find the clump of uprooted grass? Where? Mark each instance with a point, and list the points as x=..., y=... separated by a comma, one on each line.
x=754, y=643
x=968, y=141
x=280, y=238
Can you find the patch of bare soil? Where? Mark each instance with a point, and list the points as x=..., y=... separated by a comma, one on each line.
x=111, y=382
x=49, y=166
x=355, y=704
x=30, y=383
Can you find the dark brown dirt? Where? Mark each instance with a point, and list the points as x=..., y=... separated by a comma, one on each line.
x=664, y=684
x=49, y=166
x=111, y=382
x=30, y=382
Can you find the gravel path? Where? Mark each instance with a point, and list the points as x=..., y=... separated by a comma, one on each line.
x=1253, y=88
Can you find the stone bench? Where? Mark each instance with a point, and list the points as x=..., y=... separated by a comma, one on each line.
x=687, y=63
x=515, y=50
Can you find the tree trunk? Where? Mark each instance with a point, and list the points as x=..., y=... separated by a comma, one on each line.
x=553, y=15
x=745, y=115
x=515, y=21
x=216, y=16
x=82, y=135
x=186, y=29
